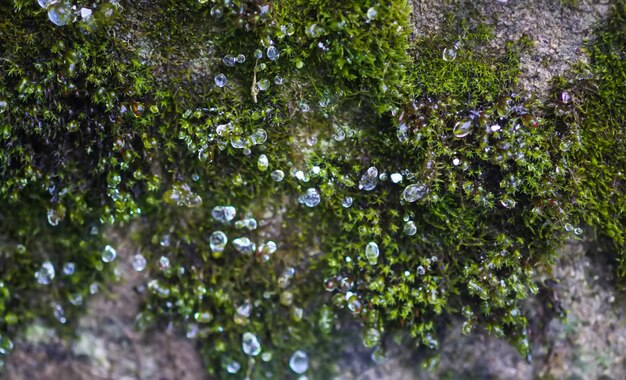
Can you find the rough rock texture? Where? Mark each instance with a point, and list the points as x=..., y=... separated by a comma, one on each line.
x=558, y=29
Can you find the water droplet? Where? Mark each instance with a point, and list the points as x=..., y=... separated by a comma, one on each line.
x=462, y=128
x=372, y=13
x=229, y=60
x=369, y=179
x=278, y=175
x=266, y=356
x=278, y=80
x=313, y=30
x=244, y=245
x=263, y=85
x=354, y=304
x=224, y=214
x=286, y=298
x=372, y=253
x=233, y=367
x=241, y=59
x=6, y=346
x=409, y=228
x=421, y=271
x=139, y=262
x=59, y=313
x=272, y=53
x=578, y=231
x=45, y=274
x=346, y=202
x=60, y=12
x=311, y=198
x=396, y=178
x=495, y=128
x=56, y=215
x=69, y=269
x=164, y=263
x=217, y=11
x=220, y=80
x=299, y=362
x=371, y=338
x=449, y=54
x=259, y=136
x=108, y=254
x=456, y=162
x=263, y=163
x=414, y=192
x=44, y=3
x=250, y=344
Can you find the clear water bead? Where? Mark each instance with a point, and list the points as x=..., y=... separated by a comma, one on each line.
x=244, y=245
x=272, y=53
x=396, y=178
x=250, y=344
x=346, y=202
x=139, y=262
x=45, y=274
x=449, y=54
x=220, y=80
x=462, y=128
x=259, y=136
x=369, y=179
x=311, y=198
x=229, y=60
x=263, y=163
x=278, y=175
x=108, y=254
x=69, y=269
x=6, y=346
x=263, y=85
x=372, y=252
x=224, y=214
x=299, y=362
x=371, y=13
x=60, y=12
x=233, y=367
x=414, y=192
x=409, y=228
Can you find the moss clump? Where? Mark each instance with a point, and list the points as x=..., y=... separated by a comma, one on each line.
x=290, y=168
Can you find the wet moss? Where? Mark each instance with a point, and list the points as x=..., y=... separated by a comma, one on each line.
x=118, y=122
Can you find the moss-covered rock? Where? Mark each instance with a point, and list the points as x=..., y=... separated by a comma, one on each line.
x=292, y=165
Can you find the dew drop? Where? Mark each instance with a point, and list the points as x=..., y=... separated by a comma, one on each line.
x=449, y=54
x=233, y=367
x=220, y=80
x=263, y=85
x=224, y=214
x=369, y=179
x=139, y=262
x=372, y=13
x=229, y=60
x=69, y=269
x=299, y=362
x=250, y=344
x=372, y=252
x=272, y=53
x=396, y=178
x=259, y=136
x=409, y=228
x=346, y=202
x=311, y=198
x=263, y=163
x=462, y=128
x=244, y=245
x=108, y=254
x=59, y=12
x=414, y=192
x=278, y=175
x=45, y=274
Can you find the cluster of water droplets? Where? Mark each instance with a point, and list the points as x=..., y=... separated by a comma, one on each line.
x=64, y=12
x=181, y=195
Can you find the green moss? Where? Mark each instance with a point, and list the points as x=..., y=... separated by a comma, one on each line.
x=119, y=122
